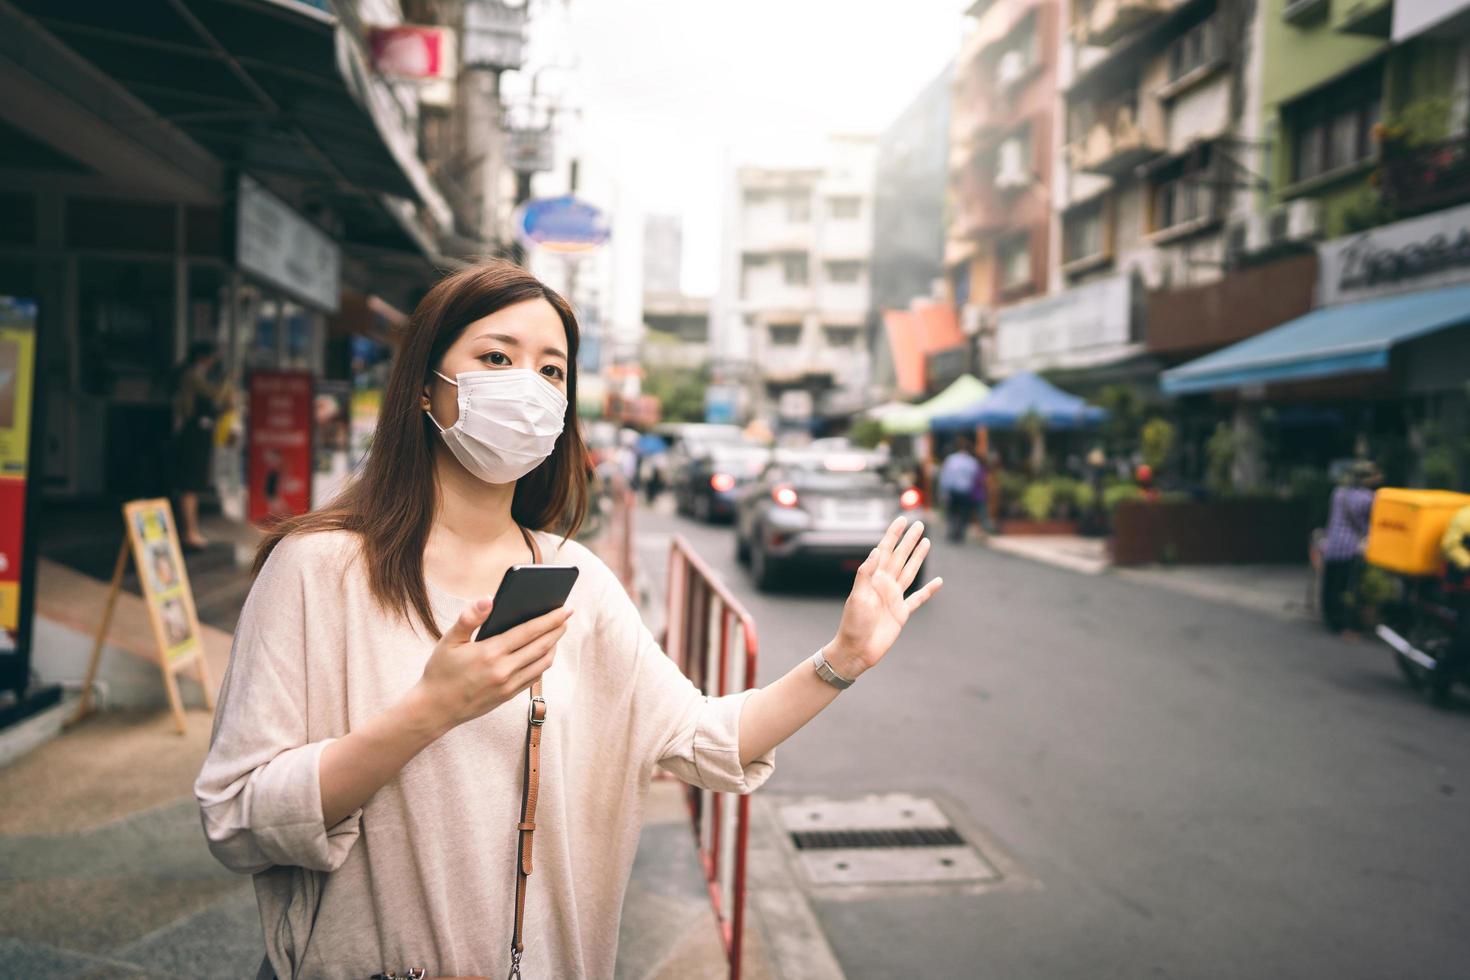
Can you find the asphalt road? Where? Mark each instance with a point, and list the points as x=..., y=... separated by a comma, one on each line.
x=1200, y=791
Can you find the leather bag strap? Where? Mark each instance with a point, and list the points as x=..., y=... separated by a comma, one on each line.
x=530, y=786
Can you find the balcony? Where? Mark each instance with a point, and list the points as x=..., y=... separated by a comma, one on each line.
x=1426, y=177
x=1113, y=145
x=1368, y=18
x=1105, y=21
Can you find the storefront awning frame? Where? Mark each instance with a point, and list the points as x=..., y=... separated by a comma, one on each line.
x=1354, y=338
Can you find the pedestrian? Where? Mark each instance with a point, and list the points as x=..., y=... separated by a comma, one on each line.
x=201, y=396
x=957, y=475
x=374, y=768
x=1350, y=507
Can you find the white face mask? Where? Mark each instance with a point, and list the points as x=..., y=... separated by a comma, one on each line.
x=509, y=421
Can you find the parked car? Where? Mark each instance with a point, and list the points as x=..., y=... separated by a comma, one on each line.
x=817, y=509
x=708, y=484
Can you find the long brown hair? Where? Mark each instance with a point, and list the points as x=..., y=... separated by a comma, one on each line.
x=390, y=504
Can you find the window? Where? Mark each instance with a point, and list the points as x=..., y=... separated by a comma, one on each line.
x=785, y=334
x=1195, y=48
x=839, y=336
x=1084, y=232
x=754, y=199
x=1185, y=192
x=846, y=208
x=1019, y=55
x=1013, y=161
x=793, y=268
x=1334, y=129
x=1013, y=262
x=844, y=271
x=798, y=207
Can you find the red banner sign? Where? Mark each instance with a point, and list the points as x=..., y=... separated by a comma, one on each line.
x=280, y=445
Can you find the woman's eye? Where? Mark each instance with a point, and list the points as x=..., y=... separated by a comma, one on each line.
x=497, y=358
x=553, y=372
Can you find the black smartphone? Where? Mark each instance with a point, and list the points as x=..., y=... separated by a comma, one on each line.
x=527, y=591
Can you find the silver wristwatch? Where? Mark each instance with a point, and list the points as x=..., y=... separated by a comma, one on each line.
x=826, y=673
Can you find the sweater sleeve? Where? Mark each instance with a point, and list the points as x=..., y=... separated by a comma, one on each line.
x=695, y=737
x=259, y=791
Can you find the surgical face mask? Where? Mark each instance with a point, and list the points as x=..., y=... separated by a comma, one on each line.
x=509, y=420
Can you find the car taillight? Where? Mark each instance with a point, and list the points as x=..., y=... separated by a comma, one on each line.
x=784, y=495
x=722, y=482
x=910, y=498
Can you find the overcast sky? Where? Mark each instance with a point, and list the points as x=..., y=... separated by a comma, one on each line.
x=674, y=92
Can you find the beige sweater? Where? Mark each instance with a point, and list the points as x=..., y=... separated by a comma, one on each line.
x=423, y=875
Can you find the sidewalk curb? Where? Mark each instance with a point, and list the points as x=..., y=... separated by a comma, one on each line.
x=779, y=907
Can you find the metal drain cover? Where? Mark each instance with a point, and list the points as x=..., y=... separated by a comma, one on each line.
x=881, y=840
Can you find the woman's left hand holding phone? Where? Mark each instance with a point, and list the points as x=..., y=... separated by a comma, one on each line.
x=463, y=680
x=466, y=678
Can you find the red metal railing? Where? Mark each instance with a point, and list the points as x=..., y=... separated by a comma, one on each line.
x=706, y=624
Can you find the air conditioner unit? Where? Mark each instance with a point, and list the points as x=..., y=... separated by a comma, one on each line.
x=1012, y=65
x=1294, y=221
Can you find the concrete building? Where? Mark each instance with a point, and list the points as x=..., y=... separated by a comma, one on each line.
x=790, y=320
x=908, y=213
x=999, y=240
x=663, y=247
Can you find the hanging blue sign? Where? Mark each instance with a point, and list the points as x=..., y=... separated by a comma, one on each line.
x=562, y=224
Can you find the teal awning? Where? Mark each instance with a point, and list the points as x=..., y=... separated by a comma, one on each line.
x=1335, y=340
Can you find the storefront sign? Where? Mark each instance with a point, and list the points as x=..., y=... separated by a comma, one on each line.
x=1080, y=327
x=278, y=246
x=562, y=224
x=530, y=151
x=494, y=34
x=1406, y=256
x=279, y=445
x=152, y=539
x=17, y=361
x=413, y=52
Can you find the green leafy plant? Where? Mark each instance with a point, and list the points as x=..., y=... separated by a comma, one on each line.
x=1375, y=589
x=1084, y=497
x=1119, y=492
x=1011, y=485
x=1156, y=441
x=1220, y=459
x=1038, y=500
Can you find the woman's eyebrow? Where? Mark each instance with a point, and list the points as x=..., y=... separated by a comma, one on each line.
x=510, y=341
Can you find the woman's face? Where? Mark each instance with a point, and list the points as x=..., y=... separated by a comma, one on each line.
x=526, y=335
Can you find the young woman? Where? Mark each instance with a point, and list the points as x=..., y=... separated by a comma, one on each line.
x=368, y=759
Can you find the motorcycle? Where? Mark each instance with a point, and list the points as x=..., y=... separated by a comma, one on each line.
x=1423, y=627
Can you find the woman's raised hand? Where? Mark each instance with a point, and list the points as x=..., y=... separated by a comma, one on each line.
x=877, y=608
x=465, y=679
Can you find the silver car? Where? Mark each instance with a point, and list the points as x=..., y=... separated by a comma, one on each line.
x=816, y=509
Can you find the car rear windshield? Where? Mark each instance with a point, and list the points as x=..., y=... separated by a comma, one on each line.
x=823, y=479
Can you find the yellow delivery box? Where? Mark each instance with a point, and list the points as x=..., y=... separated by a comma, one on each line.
x=1404, y=532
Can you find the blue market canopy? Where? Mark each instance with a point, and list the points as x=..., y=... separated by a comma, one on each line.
x=1017, y=397
x=1336, y=340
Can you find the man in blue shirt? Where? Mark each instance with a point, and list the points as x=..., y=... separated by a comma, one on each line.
x=957, y=476
x=1342, y=548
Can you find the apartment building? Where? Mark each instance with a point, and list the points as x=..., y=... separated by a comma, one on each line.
x=999, y=240
x=790, y=320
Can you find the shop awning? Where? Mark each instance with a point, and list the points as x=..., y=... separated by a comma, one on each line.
x=274, y=88
x=1350, y=339
x=964, y=391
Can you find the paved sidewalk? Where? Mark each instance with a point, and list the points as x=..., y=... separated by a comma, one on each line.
x=1275, y=590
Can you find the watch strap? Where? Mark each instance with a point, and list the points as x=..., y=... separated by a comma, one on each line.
x=826, y=673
